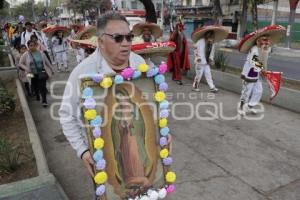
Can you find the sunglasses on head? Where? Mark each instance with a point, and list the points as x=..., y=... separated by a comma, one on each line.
x=119, y=37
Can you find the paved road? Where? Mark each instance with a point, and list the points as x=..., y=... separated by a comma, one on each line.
x=220, y=159
x=289, y=66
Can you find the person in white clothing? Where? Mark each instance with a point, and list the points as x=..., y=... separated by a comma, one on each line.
x=252, y=90
x=204, y=50
x=204, y=56
x=25, y=36
x=60, y=46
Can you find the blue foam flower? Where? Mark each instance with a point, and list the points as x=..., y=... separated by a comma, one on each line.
x=118, y=79
x=164, y=104
x=163, y=86
x=159, y=79
x=97, y=121
x=136, y=74
x=152, y=72
x=98, y=155
x=87, y=93
x=164, y=131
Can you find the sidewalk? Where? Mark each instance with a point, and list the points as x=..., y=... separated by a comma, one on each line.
x=220, y=159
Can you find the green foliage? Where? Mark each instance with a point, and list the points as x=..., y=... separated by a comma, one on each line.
x=25, y=9
x=7, y=101
x=221, y=60
x=9, y=156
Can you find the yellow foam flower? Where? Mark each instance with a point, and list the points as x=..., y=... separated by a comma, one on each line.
x=143, y=67
x=100, y=178
x=90, y=114
x=163, y=123
x=160, y=96
x=98, y=143
x=106, y=82
x=170, y=177
x=164, y=153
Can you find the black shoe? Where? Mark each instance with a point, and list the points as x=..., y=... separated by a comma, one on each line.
x=179, y=82
x=45, y=104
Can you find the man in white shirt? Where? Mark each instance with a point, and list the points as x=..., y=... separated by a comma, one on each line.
x=25, y=36
x=112, y=55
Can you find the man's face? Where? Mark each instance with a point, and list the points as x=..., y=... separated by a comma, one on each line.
x=146, y=34
x=116, y=51
x=263, y=42
x=210, y=37
x=60, y=34
x=85, y=36
x=29, y=28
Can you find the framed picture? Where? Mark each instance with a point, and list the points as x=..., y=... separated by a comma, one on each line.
x=123, y=125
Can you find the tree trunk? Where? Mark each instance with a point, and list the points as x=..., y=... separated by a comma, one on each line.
x=293, y=6
x=254, y=14
x=243, y=20
x=275, y=11
x=150, y=11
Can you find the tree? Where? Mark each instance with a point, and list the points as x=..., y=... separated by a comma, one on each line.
x=150, y=11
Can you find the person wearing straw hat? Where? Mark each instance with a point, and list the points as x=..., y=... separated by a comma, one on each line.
x=146, y=32
x=60, y=46
x=85, y=34
x=257, y=45
x=204, y=39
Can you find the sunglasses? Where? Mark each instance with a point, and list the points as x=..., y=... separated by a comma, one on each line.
x=119, y=37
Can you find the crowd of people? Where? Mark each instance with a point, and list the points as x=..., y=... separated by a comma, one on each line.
x=107, y=48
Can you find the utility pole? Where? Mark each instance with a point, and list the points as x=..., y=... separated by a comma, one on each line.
x=293, y=6
x=275, y=11
x=32, y=9
x=162, y=15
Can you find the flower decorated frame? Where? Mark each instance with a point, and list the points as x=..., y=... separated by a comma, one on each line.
x=98, y=135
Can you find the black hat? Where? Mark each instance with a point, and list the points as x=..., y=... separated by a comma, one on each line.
x=28, y=23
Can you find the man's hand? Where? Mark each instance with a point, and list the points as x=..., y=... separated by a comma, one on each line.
x=88, y=162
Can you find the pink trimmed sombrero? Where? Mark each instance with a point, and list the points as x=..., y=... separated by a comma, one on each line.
x=137, y=29
x=220, y=32
x=51, y=30
x=275, y=32
x=154, y=48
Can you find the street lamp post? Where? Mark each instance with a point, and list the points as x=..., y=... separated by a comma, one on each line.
x=275, y=11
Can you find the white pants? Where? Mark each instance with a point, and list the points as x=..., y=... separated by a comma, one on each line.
x=61, y=59
x=200, y=69
x=251, y=92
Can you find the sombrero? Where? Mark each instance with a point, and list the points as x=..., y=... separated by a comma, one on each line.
x=51, y=30
x=88, y=43
x=275, y=32
x=91, y=30
x=137, y=29
x=154, y=48
x=220, y=32
x=41, y=23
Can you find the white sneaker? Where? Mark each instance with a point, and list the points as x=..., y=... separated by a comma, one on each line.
x=251, y=110
x=214, y=90
x=241, y=112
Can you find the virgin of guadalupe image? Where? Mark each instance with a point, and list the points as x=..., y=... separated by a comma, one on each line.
x=134, y=148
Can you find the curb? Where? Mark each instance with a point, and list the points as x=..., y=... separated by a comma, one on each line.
x=39, y=154
x=24, y=189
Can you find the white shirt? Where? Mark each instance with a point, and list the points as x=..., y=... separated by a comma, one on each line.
x=249, y=69
x=59, y=47
x=69, y=112
x=200, y=51
x=25, y=38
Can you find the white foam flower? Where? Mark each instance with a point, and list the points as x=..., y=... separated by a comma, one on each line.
x=153, y=195
x=162, y=193
x=145, y=197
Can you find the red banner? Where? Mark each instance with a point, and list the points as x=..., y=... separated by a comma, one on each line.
x=274, y=81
